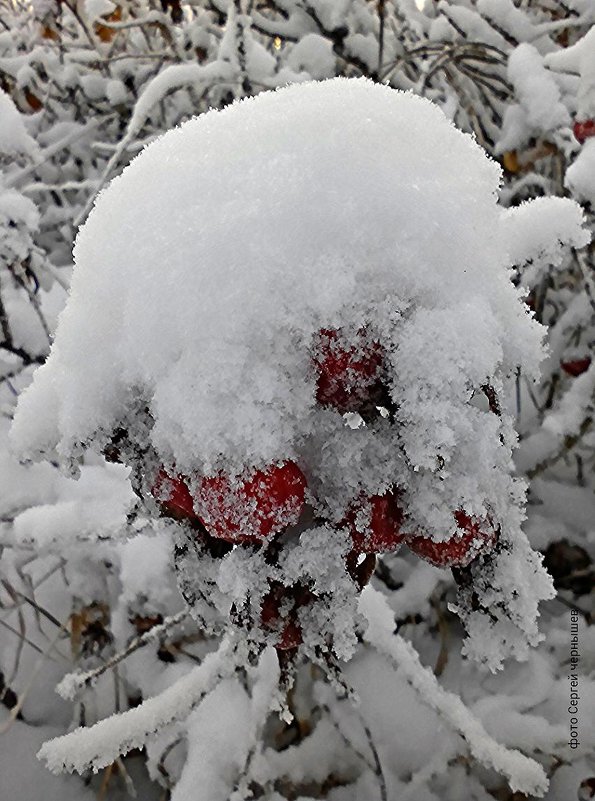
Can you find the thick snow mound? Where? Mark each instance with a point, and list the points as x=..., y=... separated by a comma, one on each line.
x=205, y=269
x=14, y=139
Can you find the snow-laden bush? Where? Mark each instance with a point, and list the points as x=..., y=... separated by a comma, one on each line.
x=93, y=85
x=189, y=345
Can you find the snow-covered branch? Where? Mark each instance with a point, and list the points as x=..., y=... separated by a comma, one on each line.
x=101, y=744
x=523, y=774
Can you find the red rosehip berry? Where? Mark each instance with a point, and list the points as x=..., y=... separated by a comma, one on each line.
x=478, y=537
x=279, y=613
x=529, y=301
x=253, y=507
x=583, y=130
x=576, y=367
x=374, y=523
x=350, y=371
x=173, y=495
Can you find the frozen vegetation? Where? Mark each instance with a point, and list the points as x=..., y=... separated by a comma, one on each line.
x=296, y=432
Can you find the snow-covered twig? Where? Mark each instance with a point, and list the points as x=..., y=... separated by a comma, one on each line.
x=152, y=18
x=545, y=28
x=377, y=763
x=168, y=80
x=67, y=186
x=586, y=271
x=523, y=774
x=54, y=272
x=265, y=697
x=73, y=682
x=51, y=150
x=437, y=766
x=101, y=744
x=22, y=637
x=569, y=442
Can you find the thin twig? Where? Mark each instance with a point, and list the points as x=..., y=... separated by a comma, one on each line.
x=73, y=682
x=21, y=636
x=381, y=16
x=378, y=765
x=570, y=441
x=40, y=609
x=50, y=151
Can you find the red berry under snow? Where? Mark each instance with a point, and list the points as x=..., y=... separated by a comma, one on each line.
x=350, y=370
x=279, y=613
x=478, y=537
x=529, y=301
x=173, y=495
x=576, y=367
x=374, y=523
x=252, y=508
x=583, y=130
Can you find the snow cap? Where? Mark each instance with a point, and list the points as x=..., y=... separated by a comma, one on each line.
x=205, y=270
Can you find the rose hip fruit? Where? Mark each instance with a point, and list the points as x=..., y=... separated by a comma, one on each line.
x=374, y=523
x=279, y=613
x=583, y=130
x=251, y=507
x=478, y=537
x=173, y=495
x=350, y=370
x=576, y=367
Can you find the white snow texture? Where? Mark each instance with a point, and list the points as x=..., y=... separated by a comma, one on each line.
x=206, y=269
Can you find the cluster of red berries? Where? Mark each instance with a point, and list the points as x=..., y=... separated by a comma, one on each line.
x=576, y=367
x=237, y=509
x=259, y=504
x=583, y=130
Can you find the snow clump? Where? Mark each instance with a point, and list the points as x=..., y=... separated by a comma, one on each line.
x=207, y=271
